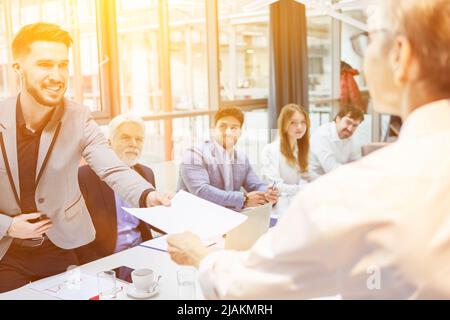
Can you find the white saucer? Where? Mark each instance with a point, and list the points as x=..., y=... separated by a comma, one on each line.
x=132, y=293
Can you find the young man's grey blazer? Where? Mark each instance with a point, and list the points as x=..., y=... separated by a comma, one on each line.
x=71, y=134
x=201, y=174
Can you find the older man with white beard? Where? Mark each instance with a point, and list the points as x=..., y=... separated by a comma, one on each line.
x=378, y=227
x=116, y=229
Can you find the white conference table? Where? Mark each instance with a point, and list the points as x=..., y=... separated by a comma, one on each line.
x=137, y=257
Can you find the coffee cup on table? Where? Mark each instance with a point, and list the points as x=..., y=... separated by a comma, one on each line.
x=143, y=280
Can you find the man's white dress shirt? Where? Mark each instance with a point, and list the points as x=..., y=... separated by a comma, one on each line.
x=375, y=228
x=226, y=158
x=328, y=151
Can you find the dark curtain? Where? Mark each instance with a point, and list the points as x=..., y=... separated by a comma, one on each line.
x=288, y=57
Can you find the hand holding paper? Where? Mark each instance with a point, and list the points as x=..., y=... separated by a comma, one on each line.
x=186, y=249
x=190, y=213
x=158, y=198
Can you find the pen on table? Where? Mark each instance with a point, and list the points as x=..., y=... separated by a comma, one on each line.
x=157, y=249
x=273, y=186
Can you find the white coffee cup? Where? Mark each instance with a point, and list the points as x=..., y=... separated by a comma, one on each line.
x=142, y=279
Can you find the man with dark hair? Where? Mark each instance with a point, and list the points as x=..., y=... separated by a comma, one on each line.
x=43, y=136
x=332, y=144
x=21, y=45
x=215, y=171
x=233, y=112
x=350, y=111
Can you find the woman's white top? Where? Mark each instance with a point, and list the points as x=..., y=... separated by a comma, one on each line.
x=276, y=168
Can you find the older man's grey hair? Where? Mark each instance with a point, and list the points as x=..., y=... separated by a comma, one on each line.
x=121, y=119
x=426, y=24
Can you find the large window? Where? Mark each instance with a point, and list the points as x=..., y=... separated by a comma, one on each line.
x=364, y=133
x=320, y=69
x=244, y=51
x=3, y=71
x=138, y=46
x=86, y=60
x=78, y=17
x=162, y=60
x=188, y=60
x=4, y=74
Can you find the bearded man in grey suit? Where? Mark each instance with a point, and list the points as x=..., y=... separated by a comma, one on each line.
x=43, y=137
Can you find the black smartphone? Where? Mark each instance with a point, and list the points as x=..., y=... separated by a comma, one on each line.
x=123, y=273
x=42, y=217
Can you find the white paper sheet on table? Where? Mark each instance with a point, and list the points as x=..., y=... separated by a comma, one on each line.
x=190, y=213
x=60, y=287
x=160, y=243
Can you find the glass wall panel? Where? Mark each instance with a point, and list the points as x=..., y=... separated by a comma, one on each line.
x=4, y=63
x=138, y=45
x=244, y=51
x=77, y=17
x=320, y=69
x=364, y=133
x=188, y=60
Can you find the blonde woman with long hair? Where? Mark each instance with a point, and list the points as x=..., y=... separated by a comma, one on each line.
x=285, y=161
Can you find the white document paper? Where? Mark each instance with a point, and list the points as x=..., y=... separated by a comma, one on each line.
x=62, y=287
x=160, y=243
x=190, y=213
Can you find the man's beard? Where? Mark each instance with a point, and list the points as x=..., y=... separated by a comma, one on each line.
x=228, y=144
x=346, y=133
x=131, y=162
x=39, y=98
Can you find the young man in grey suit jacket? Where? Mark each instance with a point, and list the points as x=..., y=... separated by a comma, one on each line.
x=43, y=136
x=217, y=172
